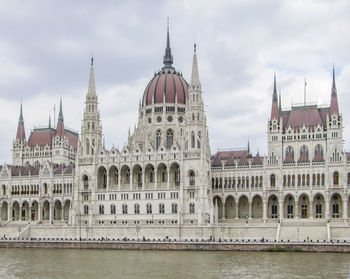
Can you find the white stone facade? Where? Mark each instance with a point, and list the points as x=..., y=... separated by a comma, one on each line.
x=165, y=174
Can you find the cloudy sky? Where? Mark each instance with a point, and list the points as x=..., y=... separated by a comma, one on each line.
x=45, y=50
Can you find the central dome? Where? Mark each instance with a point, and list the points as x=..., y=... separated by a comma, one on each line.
x=167, y=85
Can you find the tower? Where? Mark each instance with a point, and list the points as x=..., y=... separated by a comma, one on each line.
x=19, y=142
x=274, y=130
x=197, y=162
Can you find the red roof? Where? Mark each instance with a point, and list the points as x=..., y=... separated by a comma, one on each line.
x=303, y=158
x=230, y=162
x=44, y=137
x=318, y=157
x=216, y=162
x=257, y=160
x=289, y=158
x=21, y=134
x=310, y=116
x=235, y=154
x=166, y=84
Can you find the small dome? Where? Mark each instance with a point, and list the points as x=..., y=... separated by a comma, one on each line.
x=166, y=85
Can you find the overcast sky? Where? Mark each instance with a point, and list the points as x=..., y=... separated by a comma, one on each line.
x=45, y=50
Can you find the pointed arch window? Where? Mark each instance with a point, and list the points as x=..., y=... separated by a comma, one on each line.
x=273, y=180
x=193, y=140
x=137, y=208
x=335, y=178
x=158, y=136
x=192, y=178
x=169, y=138
x=86, y=182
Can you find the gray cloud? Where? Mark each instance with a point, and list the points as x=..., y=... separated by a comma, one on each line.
x=45, y=47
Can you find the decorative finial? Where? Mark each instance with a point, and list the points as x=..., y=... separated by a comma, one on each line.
x=195, y=47
x=168, y=58
x=92, y=60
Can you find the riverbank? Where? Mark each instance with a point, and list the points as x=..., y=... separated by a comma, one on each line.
x=337, y=247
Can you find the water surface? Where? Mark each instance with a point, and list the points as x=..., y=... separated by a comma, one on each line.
x=85, y=264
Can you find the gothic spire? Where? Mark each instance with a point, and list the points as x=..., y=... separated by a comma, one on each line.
x=92, y=88
x=60, y=114
x=195, y=73
x=21, y=134
x=334, y=99
x=274, y=108
x=274, y=96
x=49, y=121
x=280, y=101
x=168, y=58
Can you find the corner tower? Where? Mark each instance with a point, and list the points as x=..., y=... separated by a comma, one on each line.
x=19, y=142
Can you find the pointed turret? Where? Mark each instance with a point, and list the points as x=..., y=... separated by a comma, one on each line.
x=280, y=101
x=92, y=87
x=60, y=122
x=168, y=58
x=334, y=99
x=21, y=134
x=195, y=74
x=274, y=108
x=49, y=121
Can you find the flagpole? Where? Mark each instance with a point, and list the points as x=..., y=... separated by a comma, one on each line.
x=305, y=91
x=54, y=116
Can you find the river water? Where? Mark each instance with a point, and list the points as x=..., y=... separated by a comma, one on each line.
x=85, y=264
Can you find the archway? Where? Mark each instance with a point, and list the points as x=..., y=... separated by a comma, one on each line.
x=272, y=207
x=243, y=207
x=149, y=176
x=57, y=210
x=34, y=211
x=336, y=206
x=113, y=177
x=15, y=211
x=174, y=175
x=289, y=207
x=162, y=176
x=257, y=207
x=137, y=176
x=304, y=206
x=318, y=206
x=46, y=211
x=218, y=207
x=4, y=211
x=25, y=211
x=66, y=210
x=125, y=177
x=230, y=208
x=102, y=178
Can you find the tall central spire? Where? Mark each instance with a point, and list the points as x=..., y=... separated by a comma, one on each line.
x=168, y=58
x=60, y=114
x=274, y=96
x=92, y=87
x=195, y=75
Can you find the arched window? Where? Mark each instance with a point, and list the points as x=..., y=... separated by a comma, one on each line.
x=88, y=125
x=93, y=125
x=86, y=182
x=304, y=149
x=161, y=208
x=125, y=209
x=151, y=175
x=335, y=178
x=112, y=209
x=177, y=175
x=127, y=177
x=149, y=208
x=319, y=148
x=193, y=118
x=101, y=209
x=174, y=208
x=199, y=140
x=137, y=208
x=92, y=146
x=290, y=150
x=164, y=175
x=158, y=136
x=87, y=147
x=192, y=209
x=193, y=140
x=86, y=209
x=192, y=178
x=169, y=139
x=273, y=180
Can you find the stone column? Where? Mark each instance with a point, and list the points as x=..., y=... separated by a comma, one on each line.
x=311, y=209
x=8, y=211
x=143, y=179
x=119, y=179
x=39, y=212
x=236, y=209
x=327, y=213
x=250, y=204
x=265, y=210
x=281, y=210
x=168, y=178
x=50, y=213
x=297, y=209
x=107, y=186
x=131, y=178
x=155, y=179
x=223, y=210
x=345, y=209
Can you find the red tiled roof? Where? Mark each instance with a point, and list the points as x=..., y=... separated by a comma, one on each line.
x=230, y=162
x=73, y=138
x=318, y=157
x=235, y=154
x=334, y=105
x=216, y=162
x=289, y=159
x=303, y=158
x=41, y=137
x=21, y=133
x=309, y=116
x=257, y=160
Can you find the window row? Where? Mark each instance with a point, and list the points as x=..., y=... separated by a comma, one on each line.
x=239, y=182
